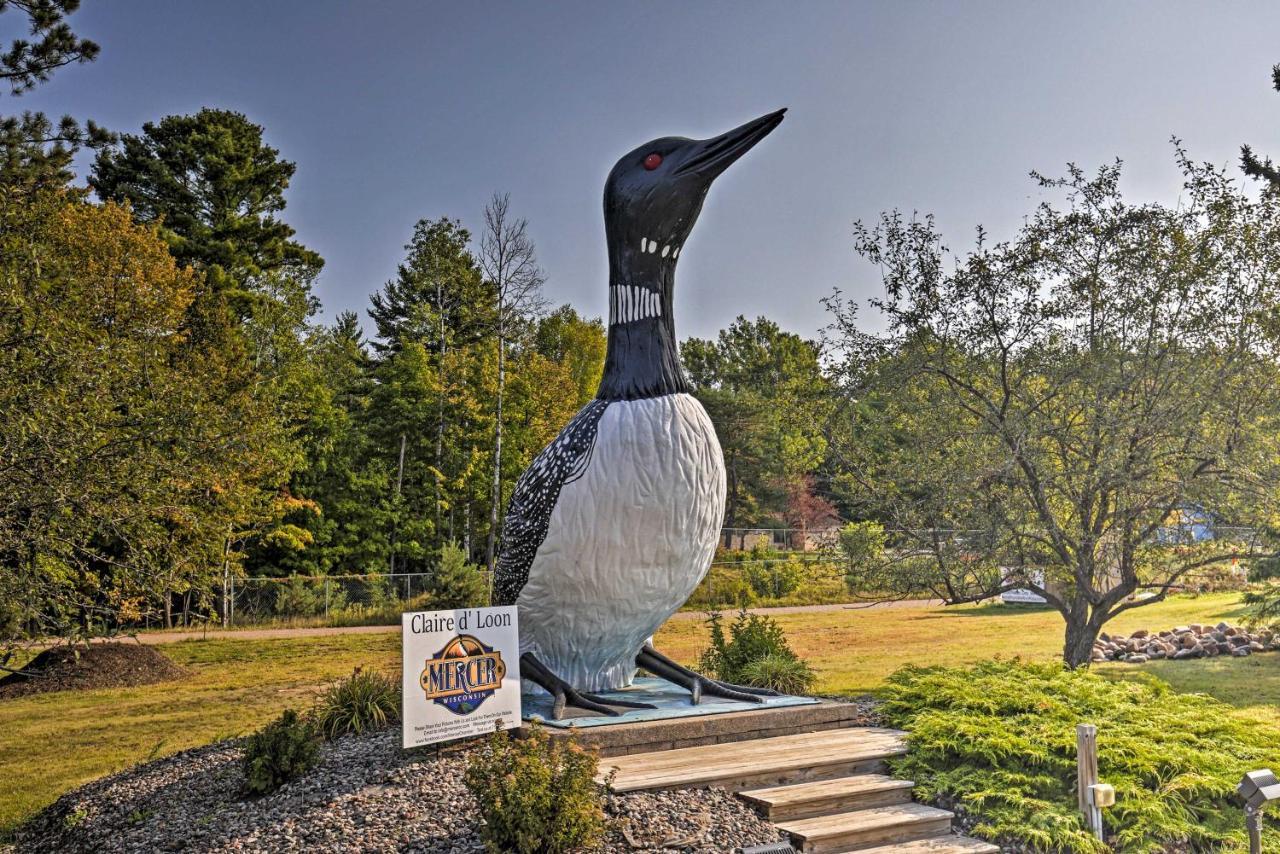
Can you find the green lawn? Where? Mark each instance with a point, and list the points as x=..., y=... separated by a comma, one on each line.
x=52, y=743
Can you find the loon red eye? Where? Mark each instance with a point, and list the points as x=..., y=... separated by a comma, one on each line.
x=653, y=161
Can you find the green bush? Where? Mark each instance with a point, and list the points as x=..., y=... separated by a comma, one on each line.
x=295, y=598
x=365, y=700
x=775, y=579
x=999, y=739
x=536, y=795
x=723, y=586
x=863, y=545
x=752, y=638
x=778, y=673
x=279, y=752
x=456, y=583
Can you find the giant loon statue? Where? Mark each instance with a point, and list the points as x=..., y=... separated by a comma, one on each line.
x=615, y=522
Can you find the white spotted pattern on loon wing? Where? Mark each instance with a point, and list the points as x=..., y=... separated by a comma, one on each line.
x=535, y=495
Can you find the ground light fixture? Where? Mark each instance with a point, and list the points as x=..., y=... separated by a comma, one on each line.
x=766, y=848
x=1257, y=789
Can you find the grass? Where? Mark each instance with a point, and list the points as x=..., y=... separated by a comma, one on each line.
x=52, y=743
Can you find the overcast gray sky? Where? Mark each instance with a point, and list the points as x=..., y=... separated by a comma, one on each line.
x=395, y=111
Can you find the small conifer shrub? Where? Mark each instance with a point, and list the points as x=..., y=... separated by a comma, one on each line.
x=999, y=740
x=279, y=752
x=537, y=795
x=756, y=653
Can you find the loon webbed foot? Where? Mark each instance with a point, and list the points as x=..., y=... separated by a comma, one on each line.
x=696, y=684
x=566, y=696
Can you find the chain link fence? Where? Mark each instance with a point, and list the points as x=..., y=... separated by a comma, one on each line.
x=325, y=600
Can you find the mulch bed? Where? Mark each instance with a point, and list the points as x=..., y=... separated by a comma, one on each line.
x=100, y=665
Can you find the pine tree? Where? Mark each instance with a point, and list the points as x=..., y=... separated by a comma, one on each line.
x=1262, y=169
x=36, y=152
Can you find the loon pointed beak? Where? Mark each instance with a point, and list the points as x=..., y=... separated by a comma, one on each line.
x=712, y=156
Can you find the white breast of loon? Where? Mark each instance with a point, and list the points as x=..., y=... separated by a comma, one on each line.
x=627, y=541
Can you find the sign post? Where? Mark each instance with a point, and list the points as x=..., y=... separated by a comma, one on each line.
x=460, y=672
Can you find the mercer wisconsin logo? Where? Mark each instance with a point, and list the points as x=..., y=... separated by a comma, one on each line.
x=463, y=675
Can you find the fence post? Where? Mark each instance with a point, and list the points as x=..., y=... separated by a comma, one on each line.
x=326, y=598
x=1087, y=775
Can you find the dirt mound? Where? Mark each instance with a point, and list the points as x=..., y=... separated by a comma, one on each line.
x=102, y=665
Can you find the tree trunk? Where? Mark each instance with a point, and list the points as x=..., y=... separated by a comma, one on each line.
x=1082, y=630
x=440, y=405
x=731, y=511
x=497, y=455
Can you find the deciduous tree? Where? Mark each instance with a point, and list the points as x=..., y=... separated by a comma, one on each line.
x=1042, y=412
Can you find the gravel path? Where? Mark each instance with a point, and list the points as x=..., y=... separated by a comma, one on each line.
x=365, y=794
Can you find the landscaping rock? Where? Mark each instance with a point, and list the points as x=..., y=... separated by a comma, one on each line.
x=1194, y=641
x=365, y=794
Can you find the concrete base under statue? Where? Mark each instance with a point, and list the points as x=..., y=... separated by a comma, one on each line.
x=670, y=701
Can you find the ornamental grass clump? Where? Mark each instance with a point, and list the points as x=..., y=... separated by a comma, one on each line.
x=999, y=740
x=537, y=795
x=364, y=701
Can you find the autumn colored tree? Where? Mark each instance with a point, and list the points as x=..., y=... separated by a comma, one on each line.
x=130, y=461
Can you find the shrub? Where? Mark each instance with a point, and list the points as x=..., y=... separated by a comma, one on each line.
x=365, y=700
x=536, y=795
x=775, y=579
x=279, y=752
x=456, y=583
x=863, y=545
x=752, y=638
x=778, y=673
x=722, y=586
x=295, y=598
x=999, y=739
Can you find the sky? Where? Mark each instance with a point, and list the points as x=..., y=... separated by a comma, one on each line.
x=396, y=111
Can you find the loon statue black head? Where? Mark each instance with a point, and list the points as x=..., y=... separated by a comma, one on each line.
x=652, y=198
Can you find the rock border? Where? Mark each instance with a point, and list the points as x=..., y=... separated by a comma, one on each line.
x=1184, y=642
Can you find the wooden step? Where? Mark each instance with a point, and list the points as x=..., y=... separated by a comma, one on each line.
x=758, y=763
x=843, y=794
x=936, y=845
x=879, y=826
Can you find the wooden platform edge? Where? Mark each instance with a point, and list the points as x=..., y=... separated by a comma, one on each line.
x=652, y=736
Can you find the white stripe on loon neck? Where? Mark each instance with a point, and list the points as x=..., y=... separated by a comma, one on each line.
x=628, y=304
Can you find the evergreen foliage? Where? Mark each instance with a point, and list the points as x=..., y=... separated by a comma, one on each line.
x=756, y=652
x=1261, y=168
x=764, y=390
x=456, y=583
x=536, y=795
x=35, y=151
x=281, y=751
x=999, y=739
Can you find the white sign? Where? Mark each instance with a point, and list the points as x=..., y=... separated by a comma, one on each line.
x=1023, y=596
x=461, y=673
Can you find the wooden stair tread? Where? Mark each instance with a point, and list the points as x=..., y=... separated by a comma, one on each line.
x=745, y=760
x=842, y=823
x=936, y=845
x=823, y=789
